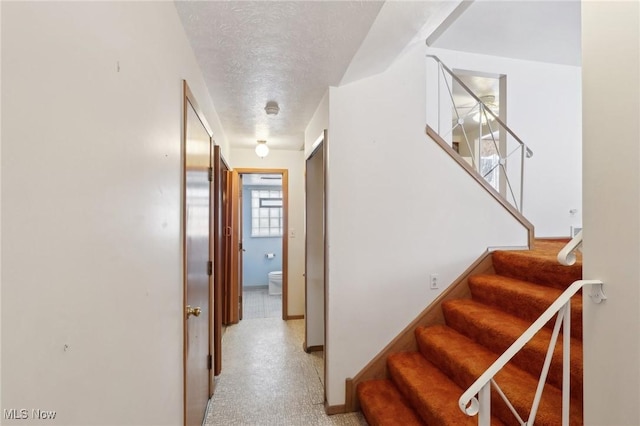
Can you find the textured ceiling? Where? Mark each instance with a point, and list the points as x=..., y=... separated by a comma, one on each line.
x=252, y=52
x=283, y=51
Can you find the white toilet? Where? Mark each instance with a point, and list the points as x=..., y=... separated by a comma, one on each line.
x=275, y=282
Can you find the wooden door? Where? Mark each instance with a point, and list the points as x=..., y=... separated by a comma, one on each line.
x=240, y=247
x=226, y=287
x=235, y=270
x=221, y=244
x=197, y=266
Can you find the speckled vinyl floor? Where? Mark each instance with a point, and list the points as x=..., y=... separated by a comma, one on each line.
x=267, y=379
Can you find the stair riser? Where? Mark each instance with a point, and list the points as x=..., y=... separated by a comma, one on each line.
x=428, y=390
x=383, y=405
x=528, y=309
x=536, y=271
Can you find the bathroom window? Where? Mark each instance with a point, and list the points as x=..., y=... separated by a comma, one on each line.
x=266, y=213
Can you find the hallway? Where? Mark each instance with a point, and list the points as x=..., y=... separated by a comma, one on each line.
x=267, y=379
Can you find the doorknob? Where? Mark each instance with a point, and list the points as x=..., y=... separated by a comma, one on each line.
x=193, y=311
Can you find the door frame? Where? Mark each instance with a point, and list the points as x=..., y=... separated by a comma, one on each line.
x=221, y=172
x=189, y=99
x=321, y=144
x=235, y=290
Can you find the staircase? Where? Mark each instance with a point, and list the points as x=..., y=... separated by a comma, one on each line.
x=424, y=386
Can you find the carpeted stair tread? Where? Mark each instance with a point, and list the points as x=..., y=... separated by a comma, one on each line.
x=463, y=361
x=523, y=299
x=536, y=266
x=424, y=386
x=432, y=394
x=497, y=330
x=383, y=405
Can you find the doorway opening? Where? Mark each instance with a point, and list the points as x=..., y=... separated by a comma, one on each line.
x=259, y=263
x=262, y=254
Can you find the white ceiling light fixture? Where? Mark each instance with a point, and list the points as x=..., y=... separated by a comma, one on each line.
x=481, y=115
x=484, y=117
x=262, y=150
x=272, y=108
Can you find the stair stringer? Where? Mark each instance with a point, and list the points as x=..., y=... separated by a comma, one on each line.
x=405, y=341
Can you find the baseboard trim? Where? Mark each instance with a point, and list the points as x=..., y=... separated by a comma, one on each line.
x=316, y=348
x=255, y=287
x=295, y=317
x=350, y=400
x=334, y=409
x=496, y=248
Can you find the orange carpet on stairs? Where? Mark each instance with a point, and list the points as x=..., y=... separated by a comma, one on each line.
x=424, y=387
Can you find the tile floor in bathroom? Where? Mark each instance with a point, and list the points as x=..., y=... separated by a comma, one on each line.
x=267, y=378
x=258, y=303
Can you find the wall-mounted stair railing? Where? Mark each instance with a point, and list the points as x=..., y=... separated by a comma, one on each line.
x=475, y=131
x=477, y=398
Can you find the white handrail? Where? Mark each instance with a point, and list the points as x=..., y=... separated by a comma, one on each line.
x=528, y=151
x=567, y=255
x=468, y=402
x=492, y=167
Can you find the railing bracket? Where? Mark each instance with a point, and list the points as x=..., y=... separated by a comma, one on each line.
x=597, y=293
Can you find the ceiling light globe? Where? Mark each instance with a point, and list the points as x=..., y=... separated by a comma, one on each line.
x=262, y=150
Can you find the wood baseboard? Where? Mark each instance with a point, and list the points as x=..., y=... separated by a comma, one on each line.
x=294, y=317
x=334, y=409
x=309, y=349
x=405, y=341
x=350, y=395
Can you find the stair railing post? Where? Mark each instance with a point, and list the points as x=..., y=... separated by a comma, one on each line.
x=566, y=363
x=477, y=149
x=440, y=73
x=522, y=155
x=484, y=398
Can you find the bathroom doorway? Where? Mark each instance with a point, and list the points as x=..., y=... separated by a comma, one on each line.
x=259, y=282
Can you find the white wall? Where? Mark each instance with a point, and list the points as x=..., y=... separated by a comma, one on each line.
x=293, y=161
x=1, y=212
x=611, y=101
x=91, y=228
x=398, y=211
x=544, y=110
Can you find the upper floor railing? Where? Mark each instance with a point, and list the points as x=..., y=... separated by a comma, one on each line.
x=471, y=124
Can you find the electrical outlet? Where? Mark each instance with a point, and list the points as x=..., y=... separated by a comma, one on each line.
x=433, y=281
